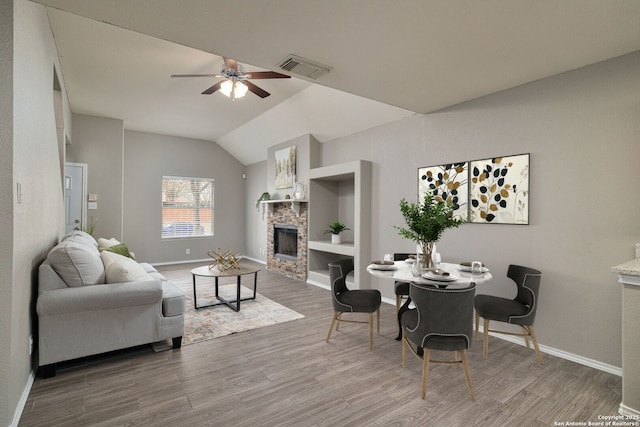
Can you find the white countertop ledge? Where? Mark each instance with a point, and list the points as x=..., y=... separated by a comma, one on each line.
x=631, y=268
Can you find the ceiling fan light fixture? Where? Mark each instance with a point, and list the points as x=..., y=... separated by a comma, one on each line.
x=233, y=89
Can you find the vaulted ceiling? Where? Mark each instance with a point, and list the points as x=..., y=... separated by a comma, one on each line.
x=388, y=58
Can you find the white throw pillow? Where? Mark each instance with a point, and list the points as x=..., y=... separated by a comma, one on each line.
x=120, y=269
x=107, y=243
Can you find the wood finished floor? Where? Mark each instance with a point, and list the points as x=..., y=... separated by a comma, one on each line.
x=287, y=375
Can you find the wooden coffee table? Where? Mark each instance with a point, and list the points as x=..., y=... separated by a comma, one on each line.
x=244, y=268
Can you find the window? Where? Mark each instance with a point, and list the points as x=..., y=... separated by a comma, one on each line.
x=187, y=207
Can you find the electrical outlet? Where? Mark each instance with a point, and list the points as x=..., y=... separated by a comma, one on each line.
x=261, y=251
x=30, y=345
x=188, y=251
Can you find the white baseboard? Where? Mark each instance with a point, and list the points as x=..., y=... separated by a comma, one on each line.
x=628, y=412
x=564, y=355
x=320, y=285
x=207, y=260
x=23, y=400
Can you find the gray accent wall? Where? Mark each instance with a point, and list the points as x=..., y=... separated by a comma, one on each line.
x=147, y=157
x=256, y=238
x=125, y=170
x=29, y=156
x=582, y=129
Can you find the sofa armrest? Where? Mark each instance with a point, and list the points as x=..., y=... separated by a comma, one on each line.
x=99, y=297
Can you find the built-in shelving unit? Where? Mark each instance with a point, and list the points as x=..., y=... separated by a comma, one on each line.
x=342, y=193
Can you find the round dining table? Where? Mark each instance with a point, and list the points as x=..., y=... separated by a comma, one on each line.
x=402, y=271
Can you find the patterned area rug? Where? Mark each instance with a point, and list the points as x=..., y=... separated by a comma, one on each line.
x=213, y=322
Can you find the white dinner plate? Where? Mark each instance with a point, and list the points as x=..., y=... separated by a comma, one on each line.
x=382, y=267
x=440, y=278
x=467, y=268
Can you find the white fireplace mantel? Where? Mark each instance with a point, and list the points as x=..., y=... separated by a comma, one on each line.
x=295, y=204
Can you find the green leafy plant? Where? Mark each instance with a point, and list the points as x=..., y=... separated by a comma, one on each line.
x=427, y=221
x=336, y=228
x=264, y=196
x=91, y=227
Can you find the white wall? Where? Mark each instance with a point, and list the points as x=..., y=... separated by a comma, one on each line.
x=30, y=228
x=582, y=129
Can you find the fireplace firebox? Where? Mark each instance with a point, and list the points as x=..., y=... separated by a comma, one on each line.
x=285, y=242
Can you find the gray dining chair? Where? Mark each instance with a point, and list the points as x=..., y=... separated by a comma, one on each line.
x=351, y=301
x=442, y=320
x=401, y=288
x=518, y=311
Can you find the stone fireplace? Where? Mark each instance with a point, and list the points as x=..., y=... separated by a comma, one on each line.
x=287, y=239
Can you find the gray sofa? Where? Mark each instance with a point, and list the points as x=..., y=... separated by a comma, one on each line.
x=85, y=309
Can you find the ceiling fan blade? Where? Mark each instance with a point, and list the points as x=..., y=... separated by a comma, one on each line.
x=255, y=89
x=267, y=75
x=194, y=75
x=231, y=64
x=212, y=89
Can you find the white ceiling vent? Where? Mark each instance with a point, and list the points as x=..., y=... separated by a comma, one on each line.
x=303, y=67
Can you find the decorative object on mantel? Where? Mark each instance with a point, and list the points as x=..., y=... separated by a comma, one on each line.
x=224, y=260
x=499, y=190
x=335, y=228
x=298, y=191
x=264, y=196
x=285, y=167
x=426, y=222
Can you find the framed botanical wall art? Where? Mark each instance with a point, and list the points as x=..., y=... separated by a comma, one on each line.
x=285, y=167
x=499, y=190
x=448, y=183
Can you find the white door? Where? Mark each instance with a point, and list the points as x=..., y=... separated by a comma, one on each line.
x=75, y=181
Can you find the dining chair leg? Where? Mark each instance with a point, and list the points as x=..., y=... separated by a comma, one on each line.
x=477, y=324
x=333, y=321
x=404, y=349
x=338, y=318
x=370, y=331
x=467, y=373
x=455, y=359
x=425, y=371
x=535, y=344
x=485, y=342
x=398, y=299
x=526, y=336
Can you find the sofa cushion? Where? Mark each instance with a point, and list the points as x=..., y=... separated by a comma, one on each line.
x=120, y=269
x=152, y=271
x=173, y=301
x=77, y=261
x=81, y=237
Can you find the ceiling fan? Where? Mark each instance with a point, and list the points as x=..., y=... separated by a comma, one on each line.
x=236, y=82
